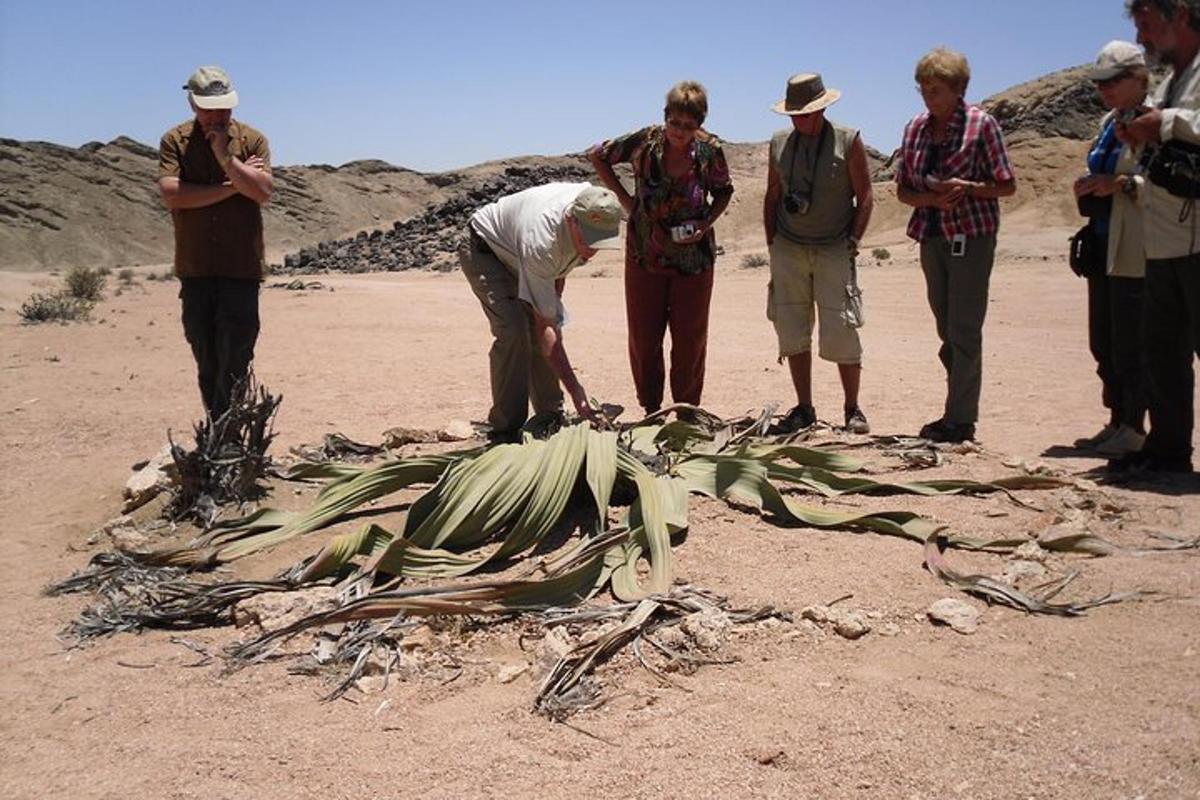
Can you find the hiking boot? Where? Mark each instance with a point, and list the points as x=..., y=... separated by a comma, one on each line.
x=1125, y=441
x=942, y=431
x=504, y=437
x=856, y=421
x=797, y=419
x=545, y=424
x=1092, y=441
x=1143, y=463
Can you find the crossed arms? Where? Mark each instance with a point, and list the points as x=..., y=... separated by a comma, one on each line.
x=251, y=178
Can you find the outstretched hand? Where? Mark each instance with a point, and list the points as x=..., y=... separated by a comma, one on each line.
x=583, y=406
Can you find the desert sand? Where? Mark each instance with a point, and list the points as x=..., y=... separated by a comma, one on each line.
x=1100, y=706
x=1105, y=705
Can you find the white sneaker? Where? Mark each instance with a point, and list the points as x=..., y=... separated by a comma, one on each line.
x=1125, y=441
x=1105, y=433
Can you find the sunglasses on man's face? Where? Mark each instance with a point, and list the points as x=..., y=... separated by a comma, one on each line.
x=1109, y=82
x=680, y=125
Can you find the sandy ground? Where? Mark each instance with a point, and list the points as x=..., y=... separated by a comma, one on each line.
x=1104, y=706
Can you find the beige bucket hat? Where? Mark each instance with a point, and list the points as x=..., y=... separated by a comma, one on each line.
x=806, y=94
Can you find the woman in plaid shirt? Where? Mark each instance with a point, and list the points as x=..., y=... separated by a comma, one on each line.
x=953, y=168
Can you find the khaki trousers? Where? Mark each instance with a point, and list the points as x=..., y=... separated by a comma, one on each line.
x=519, y=371
x=957, y=288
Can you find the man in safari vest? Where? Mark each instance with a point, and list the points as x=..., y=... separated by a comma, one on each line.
x=816, y=210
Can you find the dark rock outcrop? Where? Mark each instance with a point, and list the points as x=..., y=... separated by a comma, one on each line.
x=430, y=240
x=1063, y=104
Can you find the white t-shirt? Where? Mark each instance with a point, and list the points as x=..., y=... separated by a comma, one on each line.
x=528, y=233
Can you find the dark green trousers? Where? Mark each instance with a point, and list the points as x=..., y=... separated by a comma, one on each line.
x=957, y=288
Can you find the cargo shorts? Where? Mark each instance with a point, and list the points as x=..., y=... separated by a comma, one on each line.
x=808, y=280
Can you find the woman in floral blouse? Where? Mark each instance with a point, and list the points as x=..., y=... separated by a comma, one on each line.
x=681, y=186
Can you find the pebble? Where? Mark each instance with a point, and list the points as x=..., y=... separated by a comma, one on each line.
x=959, y=615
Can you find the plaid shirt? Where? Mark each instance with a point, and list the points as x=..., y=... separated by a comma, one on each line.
x=973, y=150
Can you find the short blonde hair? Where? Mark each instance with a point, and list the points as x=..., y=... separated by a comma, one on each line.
x=688, y=97
x=945, y=65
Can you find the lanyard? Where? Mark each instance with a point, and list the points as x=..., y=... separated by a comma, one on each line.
x=812, y=167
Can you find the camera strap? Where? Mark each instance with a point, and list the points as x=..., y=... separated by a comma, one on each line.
x=810, y=163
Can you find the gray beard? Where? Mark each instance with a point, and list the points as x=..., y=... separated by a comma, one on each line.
x=1156, y=58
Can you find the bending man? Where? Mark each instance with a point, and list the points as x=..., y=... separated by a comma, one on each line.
x=521, y=248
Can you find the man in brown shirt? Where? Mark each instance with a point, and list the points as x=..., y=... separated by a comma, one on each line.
x=214, y=176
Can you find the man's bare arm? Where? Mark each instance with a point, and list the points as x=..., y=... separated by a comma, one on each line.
x=177, y=194
x=251, y=178
x=864, y=195
x=549, y=340
x=771, y=200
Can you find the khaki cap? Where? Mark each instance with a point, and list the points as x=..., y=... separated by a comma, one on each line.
x=210, y=88
x=1114, y=59
x=598, y=213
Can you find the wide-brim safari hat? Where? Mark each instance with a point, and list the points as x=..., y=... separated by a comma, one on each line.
x=806, y=94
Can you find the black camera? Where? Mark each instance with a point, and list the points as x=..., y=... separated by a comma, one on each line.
x=797, y=202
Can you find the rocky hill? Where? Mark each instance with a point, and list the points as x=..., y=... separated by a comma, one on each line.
x=1062, y=104
x=97, y=205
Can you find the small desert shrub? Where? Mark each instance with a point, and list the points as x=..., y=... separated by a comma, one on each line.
x=104, y=271
x=754, y=260
x=85, y=284
x=880, y=254
x=57, y=307
x=126, y=276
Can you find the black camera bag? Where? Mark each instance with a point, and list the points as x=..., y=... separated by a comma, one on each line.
x=1088, y=254
x=1175, y=166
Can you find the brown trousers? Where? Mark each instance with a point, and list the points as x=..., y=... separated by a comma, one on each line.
x=657, y=302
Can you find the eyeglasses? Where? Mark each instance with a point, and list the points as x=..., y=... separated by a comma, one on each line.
x=1113, y=81
x=679, y=125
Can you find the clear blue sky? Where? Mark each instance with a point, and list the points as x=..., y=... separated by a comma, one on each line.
x=433, y=85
